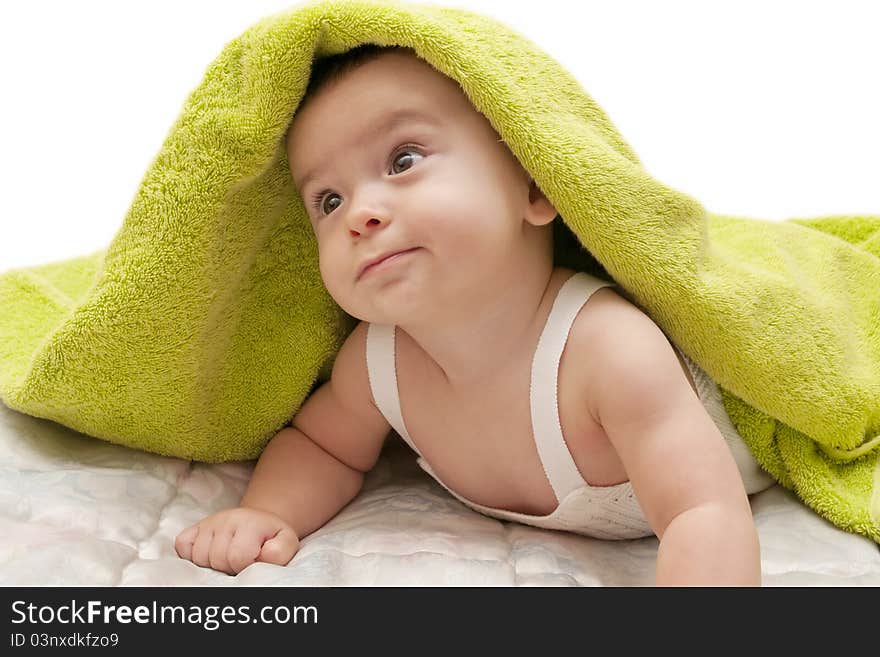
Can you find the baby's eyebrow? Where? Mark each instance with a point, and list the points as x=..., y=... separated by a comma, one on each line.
x=385, y=125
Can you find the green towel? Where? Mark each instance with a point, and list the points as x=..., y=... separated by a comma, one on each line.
x=204, y=325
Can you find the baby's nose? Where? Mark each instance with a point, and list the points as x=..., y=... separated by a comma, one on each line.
x=371, y=221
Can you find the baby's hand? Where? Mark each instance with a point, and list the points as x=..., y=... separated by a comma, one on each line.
x=232, y=540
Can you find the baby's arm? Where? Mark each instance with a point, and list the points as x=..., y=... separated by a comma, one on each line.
x=681, y=469
x=306, y=474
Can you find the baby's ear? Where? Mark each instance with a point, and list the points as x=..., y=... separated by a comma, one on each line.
x=540, y=211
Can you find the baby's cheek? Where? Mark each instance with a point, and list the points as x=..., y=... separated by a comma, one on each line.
x=344, y=293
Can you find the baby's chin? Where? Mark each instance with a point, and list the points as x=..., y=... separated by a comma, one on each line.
x=384, y=315
x=387, y=307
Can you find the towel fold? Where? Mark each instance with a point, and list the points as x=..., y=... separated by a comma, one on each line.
x=204, y=325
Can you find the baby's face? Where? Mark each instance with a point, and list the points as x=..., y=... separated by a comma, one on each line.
x=391, y=157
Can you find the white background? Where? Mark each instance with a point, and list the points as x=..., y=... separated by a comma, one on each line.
x=762, y=109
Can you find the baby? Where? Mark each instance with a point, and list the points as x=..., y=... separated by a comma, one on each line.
x=532, y=392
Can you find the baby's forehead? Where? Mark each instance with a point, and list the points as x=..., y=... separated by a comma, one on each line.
x=318, y=141
x=374, y=99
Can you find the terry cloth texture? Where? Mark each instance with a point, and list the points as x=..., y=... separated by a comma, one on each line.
x=204, y=325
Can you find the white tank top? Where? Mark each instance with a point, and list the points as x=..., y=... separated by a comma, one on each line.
x=608, y=512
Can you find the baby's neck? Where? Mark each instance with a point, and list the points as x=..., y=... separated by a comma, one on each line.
x=488, y=343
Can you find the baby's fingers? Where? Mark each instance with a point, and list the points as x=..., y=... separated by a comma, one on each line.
x=244, y=548
x=201, y=547
x=183, y=544
x=219, y=548
x=280, y=548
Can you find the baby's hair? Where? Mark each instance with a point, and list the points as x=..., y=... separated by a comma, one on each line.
x=327, y=69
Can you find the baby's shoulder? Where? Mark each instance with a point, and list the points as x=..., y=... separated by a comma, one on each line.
x=349, y=375
x=603, y=331
x=607, y=310
x=613, y=343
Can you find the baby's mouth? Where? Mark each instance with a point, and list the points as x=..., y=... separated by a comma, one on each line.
x=386, y=263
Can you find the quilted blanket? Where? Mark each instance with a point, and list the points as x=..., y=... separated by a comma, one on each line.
x=75, y=511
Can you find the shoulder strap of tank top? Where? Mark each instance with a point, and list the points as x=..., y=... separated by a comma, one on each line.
x=382, y=372
x=559, y=466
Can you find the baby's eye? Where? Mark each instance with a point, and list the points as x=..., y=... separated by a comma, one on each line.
x=319, y=205
x=404, y=157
